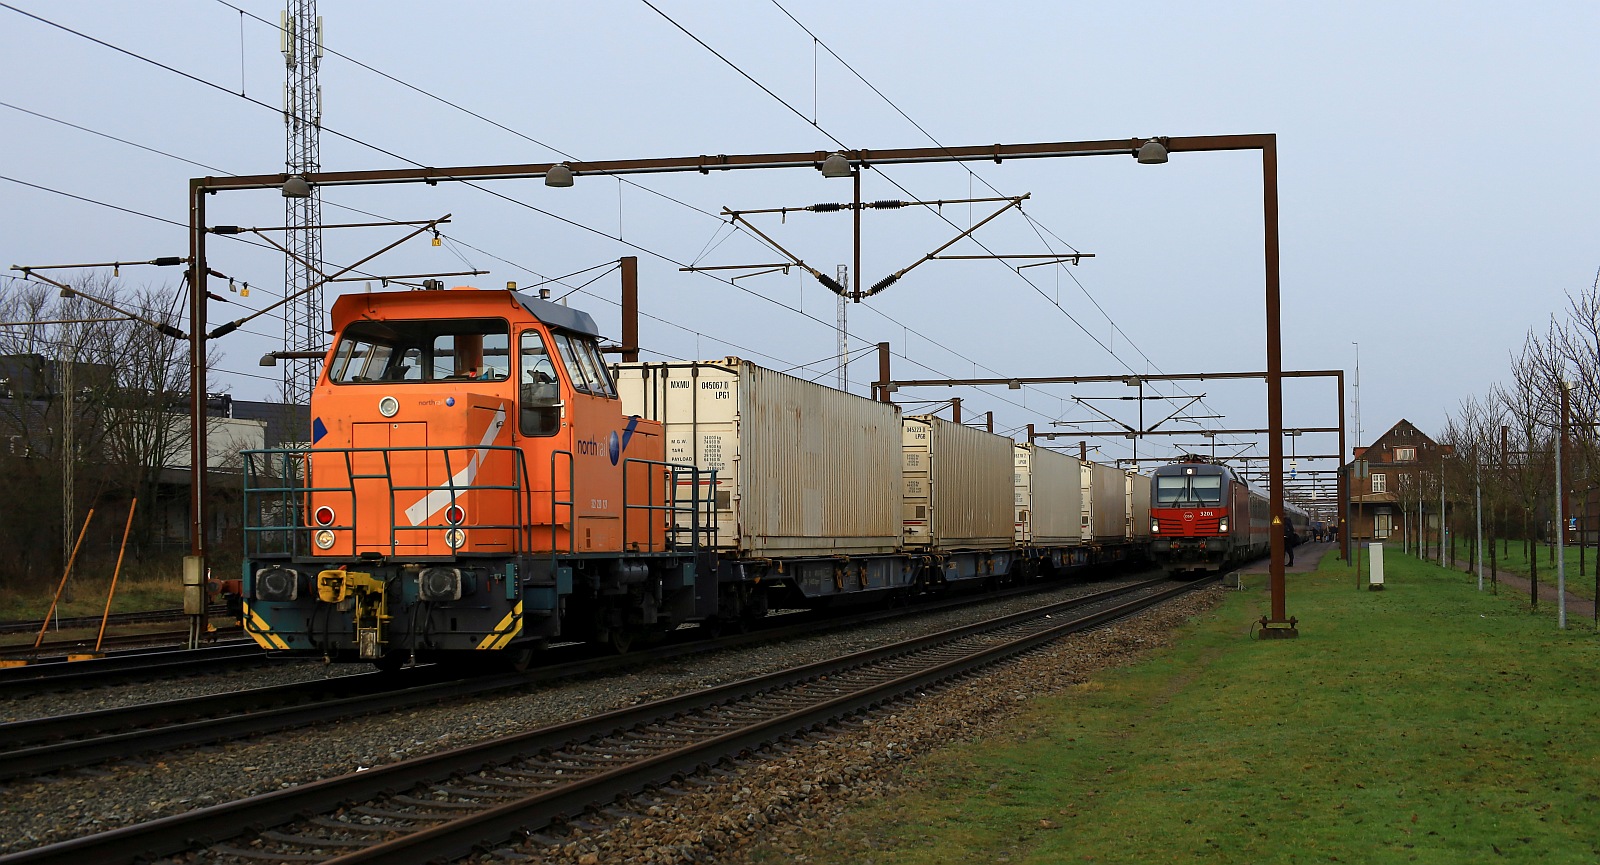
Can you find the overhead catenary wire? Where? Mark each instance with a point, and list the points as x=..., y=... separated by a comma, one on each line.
x=1035, y=224
x=449, y=239
x=154, y=217
x=386, y=151
x=837, y=141
x=1038, y=227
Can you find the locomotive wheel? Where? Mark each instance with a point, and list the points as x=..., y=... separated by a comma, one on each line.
x=620, y=640
x=392, y=661
x=519, y=659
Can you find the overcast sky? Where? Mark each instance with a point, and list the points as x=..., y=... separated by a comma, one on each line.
x=1437, y=182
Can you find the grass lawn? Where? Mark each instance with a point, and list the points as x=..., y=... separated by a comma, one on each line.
x=1509, y=557
x=1426, y=723
x=135, y=592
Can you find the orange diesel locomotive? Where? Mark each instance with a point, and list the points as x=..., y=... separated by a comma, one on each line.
x=471, y=485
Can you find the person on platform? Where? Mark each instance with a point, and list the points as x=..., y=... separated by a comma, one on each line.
x=1290, y=540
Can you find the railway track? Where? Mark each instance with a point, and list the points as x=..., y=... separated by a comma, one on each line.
x=51, y=649
x=130, y=618
x=41, y=745
x=123, y=666
x=445, y=805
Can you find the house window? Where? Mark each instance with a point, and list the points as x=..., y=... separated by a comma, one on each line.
x=1405, y=455
x=1380, y=484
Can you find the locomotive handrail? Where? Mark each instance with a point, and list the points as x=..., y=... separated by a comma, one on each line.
x=674, y=507
x=572, y=508
x=295, y=485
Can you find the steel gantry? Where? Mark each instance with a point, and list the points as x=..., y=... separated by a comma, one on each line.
x=844, y=163
x=887, y=385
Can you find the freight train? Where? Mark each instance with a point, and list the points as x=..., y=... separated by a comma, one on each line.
x=480, y=483
x=1204, y=517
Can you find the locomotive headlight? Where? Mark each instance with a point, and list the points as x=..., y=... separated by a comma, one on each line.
x=388, y=406
x=1222, y=524
x=455, y=538
x=324, y=539
x=439, y=584
x=277, y=584
x=1155, y=526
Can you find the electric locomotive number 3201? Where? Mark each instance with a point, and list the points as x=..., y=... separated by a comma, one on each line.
x=1205, y=518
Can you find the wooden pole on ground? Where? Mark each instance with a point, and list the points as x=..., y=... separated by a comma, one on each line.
x=113, y=590
x=64, y=574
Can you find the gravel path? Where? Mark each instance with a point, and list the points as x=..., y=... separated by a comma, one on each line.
x=40, y=811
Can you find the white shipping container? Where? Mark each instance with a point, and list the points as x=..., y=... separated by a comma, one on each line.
x=1139, y=506
x=802, y=469
x=1049, y=496
x=1105, y=504
x=958, y=486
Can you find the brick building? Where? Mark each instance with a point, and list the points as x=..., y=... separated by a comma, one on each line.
x=1402, y=475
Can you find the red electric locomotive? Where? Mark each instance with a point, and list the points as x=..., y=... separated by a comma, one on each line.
x=1204, y=517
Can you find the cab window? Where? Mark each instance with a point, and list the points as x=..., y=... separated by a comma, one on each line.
x=593, y=370
x=538, y=390
x=598, y=364
x=581, y=378
x=472, y=349
x=587, y=368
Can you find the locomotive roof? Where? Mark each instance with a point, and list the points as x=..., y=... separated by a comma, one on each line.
x=552, y=314
x=1179, y=468
x=556, y=315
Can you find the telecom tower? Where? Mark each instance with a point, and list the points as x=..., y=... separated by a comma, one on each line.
x=301, y=42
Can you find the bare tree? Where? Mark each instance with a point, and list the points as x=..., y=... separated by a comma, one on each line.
x=1474, y=432
x=123, y=386
x=1532, y=405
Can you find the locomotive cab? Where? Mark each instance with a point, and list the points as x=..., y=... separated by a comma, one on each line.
x=1192, y=525
x=471, y=485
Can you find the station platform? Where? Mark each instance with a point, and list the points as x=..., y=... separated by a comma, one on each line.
x=1306, y=557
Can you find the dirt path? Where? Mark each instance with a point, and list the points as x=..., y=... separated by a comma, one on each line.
x=1577, y=608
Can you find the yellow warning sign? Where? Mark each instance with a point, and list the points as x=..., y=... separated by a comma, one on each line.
x=1277, y=521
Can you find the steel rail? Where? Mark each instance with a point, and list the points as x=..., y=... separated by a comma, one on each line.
x=52, y=650
x=41, y=745
x=126, y=618
x=75, y=674
x=460, y=837
x=48, y=744
x=198, y=828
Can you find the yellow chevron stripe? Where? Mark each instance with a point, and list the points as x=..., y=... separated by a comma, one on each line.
x=258, y=630
x=506, y=631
